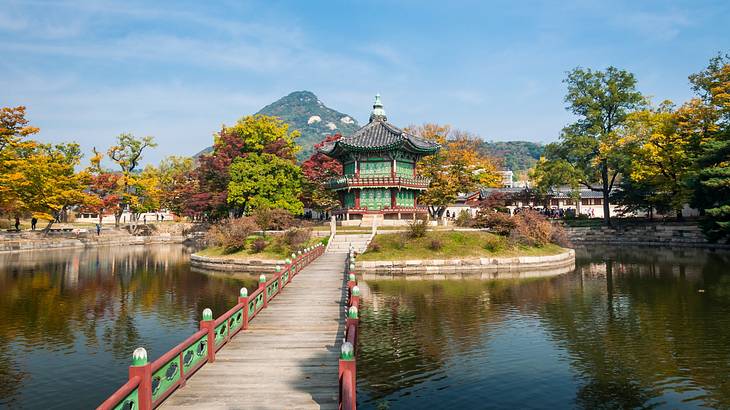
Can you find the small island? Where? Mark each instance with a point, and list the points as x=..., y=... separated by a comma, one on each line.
x=454, y=254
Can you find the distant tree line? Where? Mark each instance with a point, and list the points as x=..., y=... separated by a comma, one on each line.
x=660, y=156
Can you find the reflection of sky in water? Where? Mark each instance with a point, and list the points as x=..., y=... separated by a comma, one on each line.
x=73, y=317
x=650, y=340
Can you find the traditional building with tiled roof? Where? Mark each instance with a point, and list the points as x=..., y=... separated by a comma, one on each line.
x=380, y=181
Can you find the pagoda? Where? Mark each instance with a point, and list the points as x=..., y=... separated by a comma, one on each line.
x=380, y=180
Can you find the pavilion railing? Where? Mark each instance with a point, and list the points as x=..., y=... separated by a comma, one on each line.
x=386, y=209
x=346, y=181
x=150, y=384
x=348, y=353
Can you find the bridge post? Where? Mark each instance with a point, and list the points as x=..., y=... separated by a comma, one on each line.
x=208, y=324
x=143, y=369
x=243, y=299
x=262, y=286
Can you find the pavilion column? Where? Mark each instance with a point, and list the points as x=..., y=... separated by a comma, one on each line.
x=357, y=168
x=393, y=202
x=392, y=169
x=357, y=198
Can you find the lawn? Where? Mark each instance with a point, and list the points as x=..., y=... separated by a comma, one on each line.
x=453, y=245
x=271, y=252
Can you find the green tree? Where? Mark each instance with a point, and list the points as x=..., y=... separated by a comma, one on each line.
x=601, y=100
x=265, y=180
x=257, y=134
x=548, y=176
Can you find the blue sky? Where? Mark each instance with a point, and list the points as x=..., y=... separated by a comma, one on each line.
x=89, y=70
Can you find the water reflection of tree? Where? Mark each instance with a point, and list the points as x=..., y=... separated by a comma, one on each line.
x=51, y=300
x=409, y=328
x=645, y=327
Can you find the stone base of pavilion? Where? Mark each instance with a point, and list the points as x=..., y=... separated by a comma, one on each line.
x=388, y=217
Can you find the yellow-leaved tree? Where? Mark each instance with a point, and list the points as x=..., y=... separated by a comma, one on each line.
x=37, y=179
x=458, y=167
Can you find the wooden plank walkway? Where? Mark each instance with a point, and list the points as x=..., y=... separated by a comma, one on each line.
x=288, y=357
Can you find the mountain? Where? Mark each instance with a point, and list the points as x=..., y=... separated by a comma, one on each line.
x=304, y=112
x=517, y=156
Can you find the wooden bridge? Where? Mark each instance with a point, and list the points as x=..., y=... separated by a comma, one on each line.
x=291, y=356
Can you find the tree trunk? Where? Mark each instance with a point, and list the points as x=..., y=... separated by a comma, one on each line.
x=117, y=218
x=606, y=192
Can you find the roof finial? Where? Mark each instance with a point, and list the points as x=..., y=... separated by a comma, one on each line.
x=378, y=113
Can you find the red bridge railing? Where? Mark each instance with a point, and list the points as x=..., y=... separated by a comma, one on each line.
x=348, y=353
x=150, y=384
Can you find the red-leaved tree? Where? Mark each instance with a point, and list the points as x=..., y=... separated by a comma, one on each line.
x=317, y=170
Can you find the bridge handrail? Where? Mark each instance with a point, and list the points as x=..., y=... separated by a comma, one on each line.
x=348, y=356
x=150, y=384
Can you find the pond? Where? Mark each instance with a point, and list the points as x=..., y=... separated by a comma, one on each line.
x=71, y=318
x=630, y=328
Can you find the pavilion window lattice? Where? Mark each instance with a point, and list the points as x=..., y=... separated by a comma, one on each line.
x=405, y=198
x=374, y=199
x=404, y=169
x=375, y=167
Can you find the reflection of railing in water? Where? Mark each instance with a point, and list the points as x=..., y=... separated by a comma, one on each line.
x=150, y=384
x=347, y=368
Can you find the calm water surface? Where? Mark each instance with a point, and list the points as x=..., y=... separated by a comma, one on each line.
x=71, y=318
x=630, y=328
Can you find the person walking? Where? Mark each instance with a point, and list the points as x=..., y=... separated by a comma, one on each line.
x=144, y=219
x=98, y=229
x=17, y=223
x=33, y=223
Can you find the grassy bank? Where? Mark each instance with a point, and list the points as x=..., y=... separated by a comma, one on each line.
x=273, y=249
x=449, y=245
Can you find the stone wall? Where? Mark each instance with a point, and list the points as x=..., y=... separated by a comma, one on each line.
x=476, y=268
x=16, y=244
x=223, y=264
x=658, y=234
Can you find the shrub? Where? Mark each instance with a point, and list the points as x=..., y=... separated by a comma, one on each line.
x=258, y=245
x=373, y=247
x=559, y=236
x=231, y=234
x=495, y=244
x=435, y=245
x=497, y=222
x=295, y=238
x=464, y=219
x=401, y=242
x=532, y=229
x=417, y=229
x=273, y=219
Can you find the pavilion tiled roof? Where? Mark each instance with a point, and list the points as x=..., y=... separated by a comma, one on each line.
x=380, y=135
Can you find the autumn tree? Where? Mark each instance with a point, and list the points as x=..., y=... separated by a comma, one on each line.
x=105, y=187
x=317, y=170
x=601, y=100
x=127, y=154
x=458, y=167
x=36, y=179
x=711, y=187
x=253, y=134
x=264, y=180
x=177, y=182
x=664, y=154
